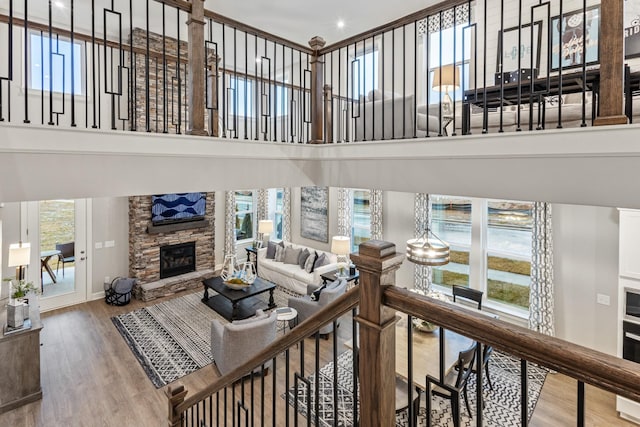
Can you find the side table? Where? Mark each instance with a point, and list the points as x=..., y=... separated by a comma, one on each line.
x=284, y=315
x=333, y=275
x=252, y=252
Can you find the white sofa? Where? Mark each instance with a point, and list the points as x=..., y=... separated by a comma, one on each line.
x=291, y=276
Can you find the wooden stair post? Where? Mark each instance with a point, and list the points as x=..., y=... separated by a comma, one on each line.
x=175, y=395
x=196, y=76
x=610, y=110
x=377, y=262
x=317, y=87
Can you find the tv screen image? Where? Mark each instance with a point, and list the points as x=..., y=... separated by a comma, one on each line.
x=177, y=207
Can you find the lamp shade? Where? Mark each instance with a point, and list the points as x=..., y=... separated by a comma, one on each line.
x=265, y=226
x=340, y=245
x=446, y=78
x=19, y=254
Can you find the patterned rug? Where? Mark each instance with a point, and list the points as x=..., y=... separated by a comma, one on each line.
x=502, y=404
x=173, y=338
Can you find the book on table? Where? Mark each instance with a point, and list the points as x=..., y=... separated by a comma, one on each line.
x=283, y=310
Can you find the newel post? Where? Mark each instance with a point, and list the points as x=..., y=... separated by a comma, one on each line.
x=175, y=395
x=377, y=262
x=196, y=76
x=611, y=64
x=317, y=85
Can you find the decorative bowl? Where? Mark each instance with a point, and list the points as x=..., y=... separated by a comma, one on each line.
x=237, y=286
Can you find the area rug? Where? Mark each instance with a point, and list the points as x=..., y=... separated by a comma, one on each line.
x=502, y=404
x=173, y=338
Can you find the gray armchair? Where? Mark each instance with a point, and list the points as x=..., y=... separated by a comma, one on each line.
x=232, y=344
x=307, y=307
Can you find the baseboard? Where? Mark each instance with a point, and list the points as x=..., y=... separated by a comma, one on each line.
x=96, y=295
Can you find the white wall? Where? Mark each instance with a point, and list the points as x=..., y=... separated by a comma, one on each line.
x=586, y=264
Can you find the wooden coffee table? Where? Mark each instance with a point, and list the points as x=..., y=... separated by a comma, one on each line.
x=237, y=304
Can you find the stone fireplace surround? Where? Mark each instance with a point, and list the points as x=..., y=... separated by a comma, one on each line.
x=144, y=249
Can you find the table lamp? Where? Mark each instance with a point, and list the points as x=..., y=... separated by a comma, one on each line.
x=265, y=227
x=445, y=79
x=19, y=256
x=341, y=246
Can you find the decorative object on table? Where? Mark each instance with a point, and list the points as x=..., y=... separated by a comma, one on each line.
x=18, y=306
x=423, y=325
x=446, y=79
x=341, y=246
x=513, y=58
x=229, y=267
x=19, y=257
x=568, y=42
x=265, y=228
x=248, y=272
x=428, y=249
x=314, y=222
x=236, y=283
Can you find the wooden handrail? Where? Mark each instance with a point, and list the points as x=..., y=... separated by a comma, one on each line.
x=607, y=372
x=415, y=16
x=340, y=306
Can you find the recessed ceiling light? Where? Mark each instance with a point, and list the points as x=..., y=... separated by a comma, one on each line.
x=340, y=23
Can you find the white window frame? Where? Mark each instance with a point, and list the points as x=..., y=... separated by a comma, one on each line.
x=462, y=60
x=362, y=84
x=273, y=211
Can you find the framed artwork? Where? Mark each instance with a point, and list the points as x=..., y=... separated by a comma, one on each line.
x=314, y=222
x=508, y=48
x=567, y=38
x=631, y=29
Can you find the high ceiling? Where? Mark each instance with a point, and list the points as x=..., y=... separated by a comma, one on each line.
x=300, y=20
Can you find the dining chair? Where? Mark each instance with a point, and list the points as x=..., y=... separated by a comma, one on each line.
x=453, y=384
x=468, y=294
x=67, y=254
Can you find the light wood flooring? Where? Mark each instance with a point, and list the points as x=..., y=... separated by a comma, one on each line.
x=91, y=378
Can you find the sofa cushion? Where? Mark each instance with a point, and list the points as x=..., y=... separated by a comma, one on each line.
x=303, y=276
x=303, y=257
x=271, y=250
x=320, y=261
x=291, y=255
x=279, y=254
x=308, y=265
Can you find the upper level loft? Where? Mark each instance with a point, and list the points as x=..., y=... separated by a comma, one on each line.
x=457, y=68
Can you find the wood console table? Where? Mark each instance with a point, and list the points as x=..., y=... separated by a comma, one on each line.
x=20, y=361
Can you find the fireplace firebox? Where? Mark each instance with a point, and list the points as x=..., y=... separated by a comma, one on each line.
x=177, y=259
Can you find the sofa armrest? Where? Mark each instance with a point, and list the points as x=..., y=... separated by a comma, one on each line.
x=262, y=253
x=304, y=306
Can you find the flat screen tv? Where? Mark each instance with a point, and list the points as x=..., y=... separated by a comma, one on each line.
x=177, y=207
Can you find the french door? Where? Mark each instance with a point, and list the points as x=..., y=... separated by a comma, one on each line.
x=57, y=231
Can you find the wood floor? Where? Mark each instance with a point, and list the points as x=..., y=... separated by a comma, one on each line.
x=91, y=378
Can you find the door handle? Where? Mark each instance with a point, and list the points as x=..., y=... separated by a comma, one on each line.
x=632, y=336
x=82, y=259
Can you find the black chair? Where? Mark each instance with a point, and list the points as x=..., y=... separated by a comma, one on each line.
x=486, y=355
x=453, y=384
x=468, y=294
x=67, y=254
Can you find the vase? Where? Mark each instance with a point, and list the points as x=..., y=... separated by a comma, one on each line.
x=15, y=314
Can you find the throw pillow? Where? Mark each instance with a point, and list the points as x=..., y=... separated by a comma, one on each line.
x=308, y=265
x=320, y=261
x=303, y=257
x=315, y=295
x=279, y=254
x=291, y=255
x=271, y=250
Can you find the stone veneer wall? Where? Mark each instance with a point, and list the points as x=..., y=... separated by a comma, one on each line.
x=144, y=248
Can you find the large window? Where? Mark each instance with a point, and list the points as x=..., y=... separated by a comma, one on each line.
x=54, y=71
x=445, y=56
x=240, y=97
x=282, y=101
x=365, y=74
x=244, y=215
x=276, y=207
x=490, y=247
x=361, y=218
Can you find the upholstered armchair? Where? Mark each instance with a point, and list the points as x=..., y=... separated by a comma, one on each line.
x=307, y=307
x=232, y=344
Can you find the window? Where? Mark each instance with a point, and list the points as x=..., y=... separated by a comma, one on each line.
x=451, y=222
x=60, y=80
x=240, y=97
x=361, y=218
x=276, y=206
x=364, y=73
x=282, y=101
x=244, y=215
x=490, y=247
x=445, y=38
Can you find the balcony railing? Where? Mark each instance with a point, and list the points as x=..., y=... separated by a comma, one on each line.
x=462, y=67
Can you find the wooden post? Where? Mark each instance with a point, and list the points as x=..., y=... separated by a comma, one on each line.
x=328, y=113
x=611, y=64
x=175, y=395
x=377, y=262
x=317, y=83
x=196, y=75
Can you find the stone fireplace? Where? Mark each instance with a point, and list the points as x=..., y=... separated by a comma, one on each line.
x=177, y=259
x=148, y=243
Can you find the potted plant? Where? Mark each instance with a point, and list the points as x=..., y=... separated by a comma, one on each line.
x=18, y=307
